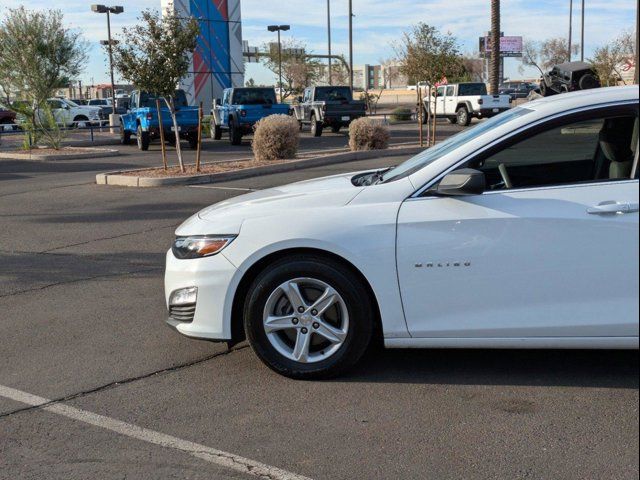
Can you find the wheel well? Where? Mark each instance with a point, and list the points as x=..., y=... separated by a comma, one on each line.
x=80, y=117
x=463, y=104
x=237, y=328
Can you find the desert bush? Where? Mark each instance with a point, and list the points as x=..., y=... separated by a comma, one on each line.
x=275, y=138
x=401, y=114
x=367, y=134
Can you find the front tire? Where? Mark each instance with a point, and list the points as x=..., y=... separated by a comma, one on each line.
x=125, y=135
x=307, y=317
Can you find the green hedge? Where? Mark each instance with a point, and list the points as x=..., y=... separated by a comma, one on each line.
x=401, y=114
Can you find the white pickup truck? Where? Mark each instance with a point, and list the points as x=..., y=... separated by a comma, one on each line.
x=460, y=102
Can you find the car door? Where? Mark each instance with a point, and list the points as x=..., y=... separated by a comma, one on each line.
x=439, y=102
x=450, y=100
x=549, y=250
x=224, y=110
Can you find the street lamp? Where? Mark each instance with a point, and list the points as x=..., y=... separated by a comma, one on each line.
x=109, y=10
x=279, y=28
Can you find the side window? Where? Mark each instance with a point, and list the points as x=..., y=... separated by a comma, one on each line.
x=225, y=97
x=451, y=91
x=54, y=104
x=441, y=91
x=307, y=95
x=585, y=151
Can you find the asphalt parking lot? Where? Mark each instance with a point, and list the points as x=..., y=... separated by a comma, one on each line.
x=94, y=385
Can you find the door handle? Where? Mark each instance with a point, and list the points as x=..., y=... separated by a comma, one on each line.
x=611, y=208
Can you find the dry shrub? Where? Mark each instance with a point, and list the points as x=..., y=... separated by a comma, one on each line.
x=276, y=138
x=367, y=134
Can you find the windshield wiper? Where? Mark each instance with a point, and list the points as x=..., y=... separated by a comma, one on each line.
x=378, y=176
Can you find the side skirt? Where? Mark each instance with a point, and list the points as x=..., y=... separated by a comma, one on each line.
x=621, y=343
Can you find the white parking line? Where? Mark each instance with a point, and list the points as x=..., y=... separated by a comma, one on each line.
x=211, y=455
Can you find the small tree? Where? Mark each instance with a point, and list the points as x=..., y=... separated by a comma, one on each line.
x=298, y=70
x=38, y=55
x=425, y=54
x=544, y=55
x=155, y=55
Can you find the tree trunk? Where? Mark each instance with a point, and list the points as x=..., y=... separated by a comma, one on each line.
x=495, y=46
x=172, y=110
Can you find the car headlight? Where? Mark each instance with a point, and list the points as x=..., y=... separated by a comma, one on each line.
x=198, y=246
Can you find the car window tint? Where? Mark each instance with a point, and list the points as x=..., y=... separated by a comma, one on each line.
x=597, y=149
x=450, y=91
x=472, y=89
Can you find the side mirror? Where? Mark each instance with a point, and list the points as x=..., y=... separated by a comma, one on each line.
x=299, y=99
x=218, y=102
x=465, y=181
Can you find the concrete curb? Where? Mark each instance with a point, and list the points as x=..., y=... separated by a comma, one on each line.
x=95, y=153
x=116, y=177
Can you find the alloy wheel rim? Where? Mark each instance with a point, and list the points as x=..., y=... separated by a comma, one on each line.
x=306, y=320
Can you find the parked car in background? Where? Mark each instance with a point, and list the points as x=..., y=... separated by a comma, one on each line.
x=106, y=106
x=569, y=77
x=240, y=109
x=142, y=121
x=7, y=119
x=517, y=90
x=521, y=232
x=332, y=107
x=69, y=113
x=460, y=102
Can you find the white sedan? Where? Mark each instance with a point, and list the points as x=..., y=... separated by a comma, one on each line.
x=521, y=232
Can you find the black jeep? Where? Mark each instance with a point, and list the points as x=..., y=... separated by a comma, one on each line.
x=569, y=77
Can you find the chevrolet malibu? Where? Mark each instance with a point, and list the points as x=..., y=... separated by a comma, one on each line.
x=519, y=233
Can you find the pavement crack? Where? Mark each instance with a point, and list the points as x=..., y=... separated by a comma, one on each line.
x=76, y=280
x=128, y=234
x=125, y=381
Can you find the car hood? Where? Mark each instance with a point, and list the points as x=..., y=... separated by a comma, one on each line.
x=226, y=217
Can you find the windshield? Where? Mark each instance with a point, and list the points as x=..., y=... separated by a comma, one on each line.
x=254, y=96
x=473, y=89
x=341, y=94
x=431, y=154
x=148, y=100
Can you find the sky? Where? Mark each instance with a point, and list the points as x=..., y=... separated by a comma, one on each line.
x=377, y=24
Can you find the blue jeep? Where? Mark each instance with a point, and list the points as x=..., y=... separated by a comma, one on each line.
x=241, y=108
x=141, y=120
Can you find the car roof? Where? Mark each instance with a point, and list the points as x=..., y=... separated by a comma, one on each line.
x=574, y=66
x=582, y=98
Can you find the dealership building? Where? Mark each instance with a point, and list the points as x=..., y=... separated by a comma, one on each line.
x=217, y=62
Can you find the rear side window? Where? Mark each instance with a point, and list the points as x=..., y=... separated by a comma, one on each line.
x=333, y=94
x=254, y=96
x=472, y=89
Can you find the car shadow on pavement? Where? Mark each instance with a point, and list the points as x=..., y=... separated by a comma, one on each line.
x=576, y=368
x=152, y=211
x=63, y=166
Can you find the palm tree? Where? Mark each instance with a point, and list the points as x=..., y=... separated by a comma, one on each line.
x=495, y=46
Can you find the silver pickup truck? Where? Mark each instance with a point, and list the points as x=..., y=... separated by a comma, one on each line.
x=460, y=102
x=327, y=106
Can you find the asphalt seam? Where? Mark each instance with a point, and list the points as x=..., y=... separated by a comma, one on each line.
x=76, y=280
x=110, y=238
x=44, y=189
x=118, y=383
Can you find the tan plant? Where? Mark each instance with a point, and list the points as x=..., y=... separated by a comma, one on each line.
x=276, y=137
x=367, y=134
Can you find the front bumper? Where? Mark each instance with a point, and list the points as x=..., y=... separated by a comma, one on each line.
x=212, y=275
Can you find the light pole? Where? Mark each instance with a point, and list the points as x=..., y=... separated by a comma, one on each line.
x=582, y=34
x=329, y=36
x=109, y=10
x=570, y=25
x=279, y=28
x=351, y=45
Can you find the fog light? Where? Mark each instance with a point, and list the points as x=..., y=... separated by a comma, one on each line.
x=184, y=296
